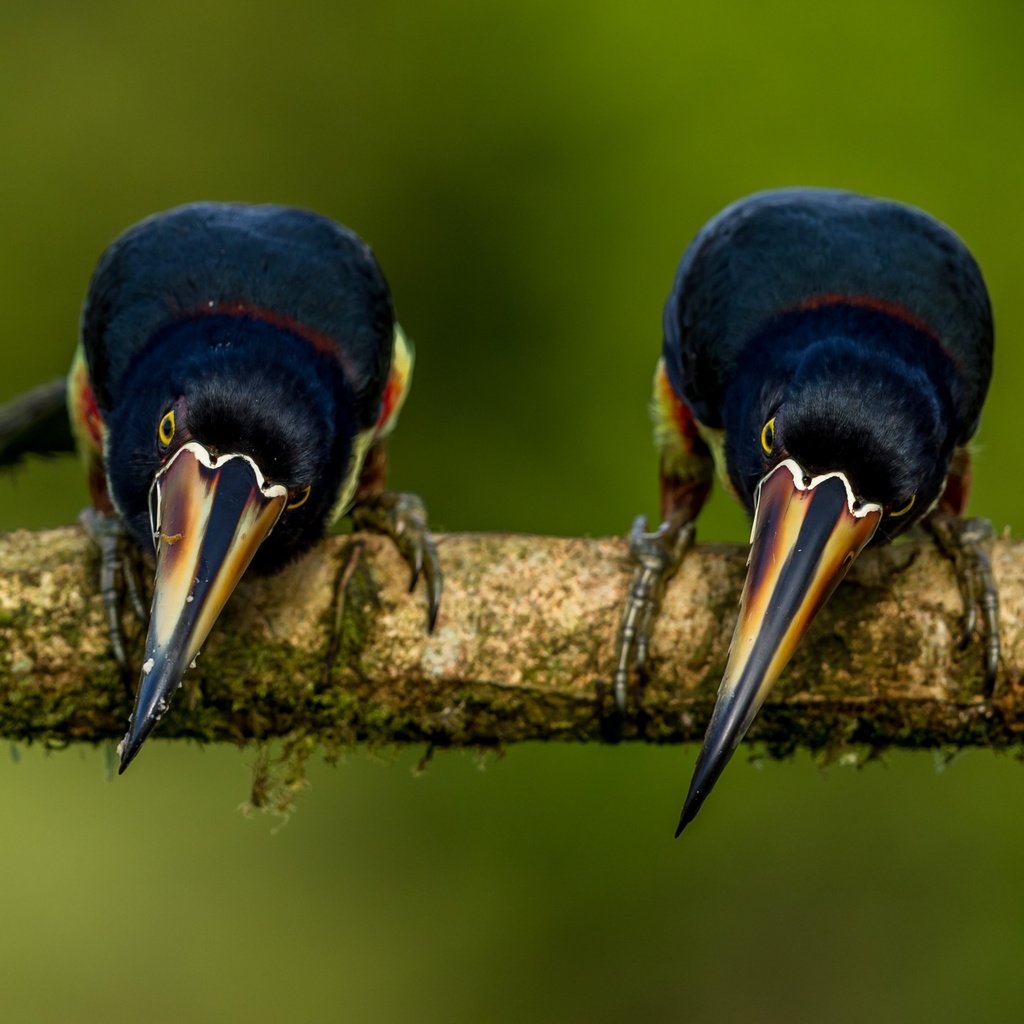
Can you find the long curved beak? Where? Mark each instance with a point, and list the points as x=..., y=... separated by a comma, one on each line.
x=209, y=516
x=806, y=533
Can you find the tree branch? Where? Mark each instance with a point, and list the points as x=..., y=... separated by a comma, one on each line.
x=335, y=649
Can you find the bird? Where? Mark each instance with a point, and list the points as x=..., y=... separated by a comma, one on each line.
x=238, y=374
x=827, y=354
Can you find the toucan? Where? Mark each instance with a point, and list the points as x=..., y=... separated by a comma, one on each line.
x=239, y=371
x=828, y=353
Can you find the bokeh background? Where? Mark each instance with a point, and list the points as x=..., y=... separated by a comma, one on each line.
x=528, y=174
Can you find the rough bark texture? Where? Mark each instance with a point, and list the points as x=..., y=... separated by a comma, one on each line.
x=334, y=650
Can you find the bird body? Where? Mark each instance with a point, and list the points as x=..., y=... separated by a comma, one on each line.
x=239, y=371
x=829, y=354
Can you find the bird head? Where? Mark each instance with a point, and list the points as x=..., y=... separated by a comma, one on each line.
x=232, y=452
x=832, y=444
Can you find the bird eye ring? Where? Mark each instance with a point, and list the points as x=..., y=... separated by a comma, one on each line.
x=906, y=508
x=300, y=498
x=166, y=429
x=768, y=436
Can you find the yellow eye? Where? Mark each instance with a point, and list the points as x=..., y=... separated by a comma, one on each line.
x=301, y=498
x=906, y=508
x=166, y=429
x=768, y=436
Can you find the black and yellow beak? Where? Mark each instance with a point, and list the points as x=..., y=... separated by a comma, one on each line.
x=208, y=516
x=806, y=533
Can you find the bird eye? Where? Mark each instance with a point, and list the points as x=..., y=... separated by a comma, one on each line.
x=299, y=497
x=906, y=508
x=768, y=436
x=166, y=429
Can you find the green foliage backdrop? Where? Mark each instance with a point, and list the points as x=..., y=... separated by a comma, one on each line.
x=528, y=174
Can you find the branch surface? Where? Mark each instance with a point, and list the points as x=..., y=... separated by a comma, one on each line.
x=334, y=648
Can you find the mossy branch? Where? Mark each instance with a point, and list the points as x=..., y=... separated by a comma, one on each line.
x=334, y=648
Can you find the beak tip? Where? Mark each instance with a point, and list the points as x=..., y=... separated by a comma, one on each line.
x=689, y=812
x=127, y=756
x=129, y=747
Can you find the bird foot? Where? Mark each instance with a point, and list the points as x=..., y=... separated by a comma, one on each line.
x=965, y=542
x=403, y=518
x=656, y=555
x=119, y=578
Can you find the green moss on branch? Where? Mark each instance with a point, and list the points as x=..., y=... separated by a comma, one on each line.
x=334, y=650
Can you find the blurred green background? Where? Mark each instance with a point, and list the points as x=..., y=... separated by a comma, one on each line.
x=528, y=174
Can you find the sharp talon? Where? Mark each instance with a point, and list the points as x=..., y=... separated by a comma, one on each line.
x=403, y=518
x=434, y=580
x=117, y=580
x=417, y=565
x=641, y=653
x=991, y=670
x=620, y=692
x=131, y=579
x=435, y=587
x=117, y=649
x=970, y=607
x=637, y=532
x=990, y=617
x=656, y=557
x=963, y=541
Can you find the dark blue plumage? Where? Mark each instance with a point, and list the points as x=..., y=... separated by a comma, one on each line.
x=775, y=251
x=291, y=267
x=831, y=353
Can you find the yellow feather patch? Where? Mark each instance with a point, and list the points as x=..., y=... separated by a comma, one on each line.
x=360, y=446
x=676, y=433
x=715, y=440
x=86, y=423
x=403, y=356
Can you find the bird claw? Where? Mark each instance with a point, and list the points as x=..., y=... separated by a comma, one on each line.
x=403, y=518
x=656, y=556
x=119, y=578
x=965, y=541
